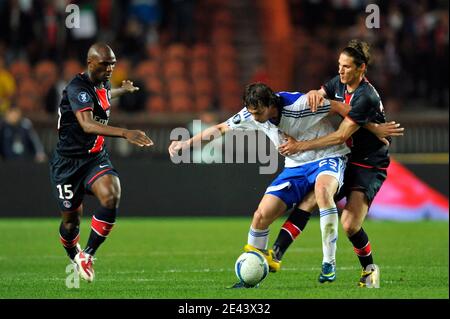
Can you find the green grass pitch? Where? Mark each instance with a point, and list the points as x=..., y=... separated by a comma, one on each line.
x=183, y=258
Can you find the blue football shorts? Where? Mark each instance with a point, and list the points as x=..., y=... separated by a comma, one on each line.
x=294, y=183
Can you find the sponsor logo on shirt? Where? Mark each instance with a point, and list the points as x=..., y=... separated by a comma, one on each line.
x=102, y=121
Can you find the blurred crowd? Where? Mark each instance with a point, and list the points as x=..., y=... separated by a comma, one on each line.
x=409, y=50
x=183, y=56
x=179, y=52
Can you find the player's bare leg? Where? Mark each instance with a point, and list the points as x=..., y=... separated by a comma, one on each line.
x=354, y=213
x=107, y=190
x=352, y=219
x=309, y=203
x=268, y=210
x=69, y=231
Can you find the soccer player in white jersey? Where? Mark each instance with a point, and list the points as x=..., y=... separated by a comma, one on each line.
x=285, y=117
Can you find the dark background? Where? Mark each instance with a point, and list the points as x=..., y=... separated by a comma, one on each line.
x=164, y=189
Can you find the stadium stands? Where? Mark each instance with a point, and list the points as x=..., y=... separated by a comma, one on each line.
x=197, y=62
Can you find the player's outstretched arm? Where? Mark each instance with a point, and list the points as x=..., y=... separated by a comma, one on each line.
x=204, y=136
x=90, y=126
x=127, y=87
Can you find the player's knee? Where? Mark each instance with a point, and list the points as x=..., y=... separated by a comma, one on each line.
x=110, y=200
x=260, y=219
x=110, y=197
x=257, y=217
x=350, y=227
x=324, y=195
x=107, y=190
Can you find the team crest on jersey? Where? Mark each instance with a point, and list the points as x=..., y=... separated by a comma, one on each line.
x=83, y=97
x=236, y=119
x=67, y=204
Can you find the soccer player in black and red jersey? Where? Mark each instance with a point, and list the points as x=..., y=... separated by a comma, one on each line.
x=80, y=164
x=369, y=159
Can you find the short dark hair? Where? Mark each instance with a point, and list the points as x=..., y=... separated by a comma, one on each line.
x=259, y=95
x=359, y=51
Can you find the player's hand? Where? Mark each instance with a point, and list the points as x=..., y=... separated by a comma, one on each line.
x=290, y=147
x=128, y=86
x=176, y=146
x=383, y=130
x=390, y=129
x=138, y=138
x=315, y=99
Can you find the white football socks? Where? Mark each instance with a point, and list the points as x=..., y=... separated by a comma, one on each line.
x=258, y=238
x=329, y=222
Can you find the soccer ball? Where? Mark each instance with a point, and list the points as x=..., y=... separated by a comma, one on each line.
x=251, y=268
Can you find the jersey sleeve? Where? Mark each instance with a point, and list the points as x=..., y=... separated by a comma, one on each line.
x=79, y=98
x=241, y=121
x=363, y=110
x=330, y=87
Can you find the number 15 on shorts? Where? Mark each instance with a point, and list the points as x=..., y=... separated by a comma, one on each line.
x=65, y=191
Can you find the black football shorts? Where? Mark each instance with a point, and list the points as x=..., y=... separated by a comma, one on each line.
x=365, y=179
x=72, y=178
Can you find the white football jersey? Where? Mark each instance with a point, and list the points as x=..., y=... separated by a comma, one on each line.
x=298, y=121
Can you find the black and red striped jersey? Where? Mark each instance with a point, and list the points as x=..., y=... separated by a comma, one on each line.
x=81, y=95
x=366, y=106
